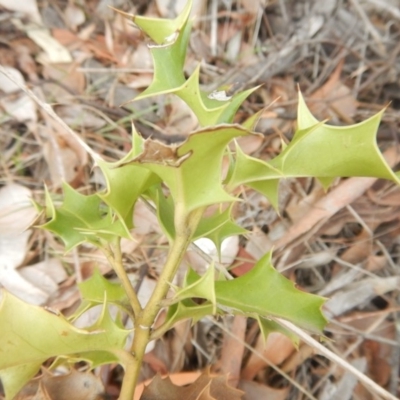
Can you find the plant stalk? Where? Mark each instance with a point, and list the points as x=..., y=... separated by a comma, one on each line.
x=115, y=260
x=185, y=226
x=127, y=389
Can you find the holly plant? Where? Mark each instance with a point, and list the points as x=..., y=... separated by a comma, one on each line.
x=182, y=182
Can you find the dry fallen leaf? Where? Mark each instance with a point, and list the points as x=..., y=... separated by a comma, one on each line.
x=27, y=7
x=378, y=367
x=334, y=99
x=21, y=108
x=18, y=105
x=74, y=385
x=342, y=195
x=144, y=220
x=17, y=213
x=45, y=275
x=63, y=163
x=68, y=74
x=8, y=86
x=359, y=293
x=233, y=349
x=35, y=283
x=16, y=210
x=180, y=118
x=74, y=16
x=53, y=51
x=229, y=250
x=206, y=387
x=276, y=349
x=249, y=144
x=13, y=250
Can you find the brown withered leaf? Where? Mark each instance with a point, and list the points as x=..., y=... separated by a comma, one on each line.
x=74, y=385
x=276, y=349
x=334, y=98
x=157, y=152
x=206, y=387
x=68, y=74
x=378, y=367
x=233, y=349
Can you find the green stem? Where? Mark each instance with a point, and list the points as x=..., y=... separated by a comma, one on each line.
x=115, y=260
x=185, y=226
x=127, y=389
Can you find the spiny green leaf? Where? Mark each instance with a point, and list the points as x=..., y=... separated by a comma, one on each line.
x=188, y=309
x=218, y=227
x=260, y=293
x=268, y=326
x=266, y=292
x=80, y=219
x=30, y=335
x=127, y=183
x=172, y=37
x=269, y=189
x=208, y=110
x=14, y=378
x=95, y=289
x=316, y=150
x=256, y=174
x=159, y=29
x=304, y=117
x=252, y=121
x=124, y=186
x=326, y=151
x=195, y=286
x=192, y=170
x=168, y=60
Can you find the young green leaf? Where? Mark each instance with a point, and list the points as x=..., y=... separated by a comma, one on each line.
x=124, y=186
x=208, y=110
x=95, y=289
x=160, y=29
x=81, y=219
x=168, y=60
x=168, y=56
